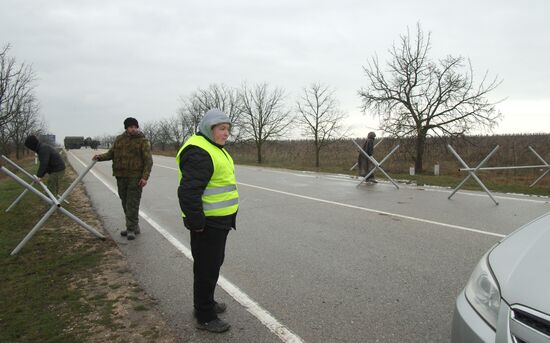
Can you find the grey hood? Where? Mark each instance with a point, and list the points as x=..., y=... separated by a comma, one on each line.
x=521, y=265
x=211, y=118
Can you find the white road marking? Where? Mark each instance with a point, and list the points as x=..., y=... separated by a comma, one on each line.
x=458, y=227
x=384, y=183
x=242, y=298
x=452, y=226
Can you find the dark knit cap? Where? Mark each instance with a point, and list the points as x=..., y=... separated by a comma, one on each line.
x=130, y=122
x=31, y=142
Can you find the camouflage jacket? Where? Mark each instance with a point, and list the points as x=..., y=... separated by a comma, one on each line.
x=131, y=156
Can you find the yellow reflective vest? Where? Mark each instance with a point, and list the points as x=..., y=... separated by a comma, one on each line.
x=221, y=197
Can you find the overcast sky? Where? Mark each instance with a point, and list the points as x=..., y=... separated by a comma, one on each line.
x=100, y=61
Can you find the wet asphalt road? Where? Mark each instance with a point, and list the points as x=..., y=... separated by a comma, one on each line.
x=330, y=261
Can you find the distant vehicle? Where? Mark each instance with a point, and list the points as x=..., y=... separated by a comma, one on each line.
x=507, y=298
x=92, y=143
x=73, y=142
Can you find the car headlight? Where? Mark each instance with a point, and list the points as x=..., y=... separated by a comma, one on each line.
x=483, y=293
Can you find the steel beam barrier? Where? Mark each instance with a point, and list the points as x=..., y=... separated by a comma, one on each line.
x=52, y=201
x=377, y=166
x=472, y=172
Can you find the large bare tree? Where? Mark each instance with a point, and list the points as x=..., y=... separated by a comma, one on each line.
x=320, y=116
x=414, y=95
x=264, y=114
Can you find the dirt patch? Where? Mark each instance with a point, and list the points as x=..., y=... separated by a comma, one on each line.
x=113, y=305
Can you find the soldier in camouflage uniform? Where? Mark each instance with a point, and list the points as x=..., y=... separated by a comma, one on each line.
x=132, y=163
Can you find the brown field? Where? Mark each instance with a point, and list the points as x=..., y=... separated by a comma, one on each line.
x=340, y=155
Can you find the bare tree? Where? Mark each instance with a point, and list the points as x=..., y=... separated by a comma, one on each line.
x=25, y=122
x=151, y=131
x=264, y=114
x=18, y=106
x=417, y=96
x=190, y=113
x=179, y=130
x=15, y=84
x=107, y=141
x=217, y=96
x=165, y=133
x=225, y=99
x=320, y=116
x=5, y=140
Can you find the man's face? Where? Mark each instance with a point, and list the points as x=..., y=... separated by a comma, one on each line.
x=132, y=130
x=221, y=133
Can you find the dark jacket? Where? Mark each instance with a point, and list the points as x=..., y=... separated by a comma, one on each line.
x=131, y=155
x=197, y=168
x=369, y=146
x=50, y=160
x=363, y=163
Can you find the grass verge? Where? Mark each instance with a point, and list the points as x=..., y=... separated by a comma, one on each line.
x=65, y=285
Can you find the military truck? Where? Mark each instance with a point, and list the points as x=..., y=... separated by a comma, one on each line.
x=73, y=142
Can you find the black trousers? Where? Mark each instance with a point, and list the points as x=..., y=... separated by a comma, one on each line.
x=208, y=249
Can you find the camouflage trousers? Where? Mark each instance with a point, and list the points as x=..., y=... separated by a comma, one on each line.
x=53, y=181
x=130, y=194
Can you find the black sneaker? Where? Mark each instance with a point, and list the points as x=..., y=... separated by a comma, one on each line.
x=220, y=308
x=216, y=325
x=130, y=235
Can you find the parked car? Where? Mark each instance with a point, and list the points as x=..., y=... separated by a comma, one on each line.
x=507, y=298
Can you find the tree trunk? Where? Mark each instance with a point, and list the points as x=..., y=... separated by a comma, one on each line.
x=420, y=142
x=259, y=151
x=18, y=151
x=317, y=150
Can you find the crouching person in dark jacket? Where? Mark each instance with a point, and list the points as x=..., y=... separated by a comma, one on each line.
x=209, y=201
x=50, y=162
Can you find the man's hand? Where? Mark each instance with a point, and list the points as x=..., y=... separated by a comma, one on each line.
x=95, y=158
x=142, y=183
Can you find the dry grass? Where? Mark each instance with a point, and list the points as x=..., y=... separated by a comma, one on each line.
x=340, y=155
x=65, y=285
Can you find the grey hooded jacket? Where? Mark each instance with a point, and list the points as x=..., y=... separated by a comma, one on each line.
x=211, y=118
